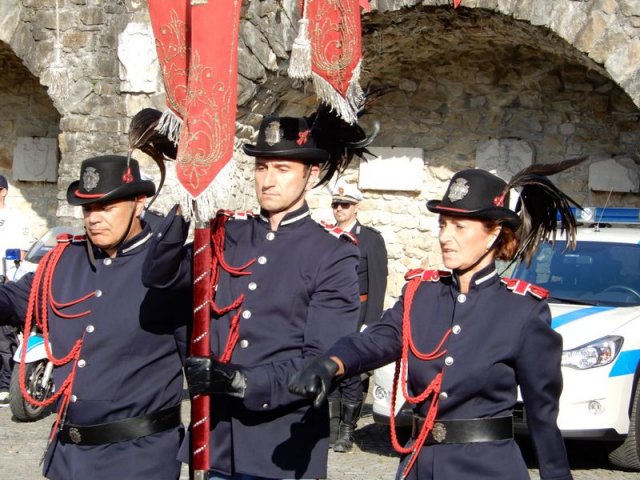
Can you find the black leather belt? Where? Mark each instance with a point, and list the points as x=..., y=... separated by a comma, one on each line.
x=121, y=430
x=466, y=431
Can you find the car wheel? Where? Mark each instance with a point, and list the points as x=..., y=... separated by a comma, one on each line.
x=627, y=455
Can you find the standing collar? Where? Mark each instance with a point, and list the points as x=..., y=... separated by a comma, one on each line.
x=130, y=246
x=481, y=277
x=291, y=217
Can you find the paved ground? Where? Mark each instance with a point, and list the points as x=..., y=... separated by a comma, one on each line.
x=22, y=445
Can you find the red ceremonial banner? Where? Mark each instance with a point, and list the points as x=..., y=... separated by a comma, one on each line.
x=197, y=44
x=336, y=52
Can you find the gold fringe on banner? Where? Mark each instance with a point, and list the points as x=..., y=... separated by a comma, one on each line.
x=346, y=107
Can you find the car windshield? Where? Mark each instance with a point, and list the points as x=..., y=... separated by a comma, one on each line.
x=595, y=273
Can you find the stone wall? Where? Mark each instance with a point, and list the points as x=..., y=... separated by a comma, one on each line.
x=559, y=79
x=27, y=111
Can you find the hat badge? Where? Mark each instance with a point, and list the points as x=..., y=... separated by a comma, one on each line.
x=90, y=179
x=340, y=191
x=272, y=133
x=458, y=189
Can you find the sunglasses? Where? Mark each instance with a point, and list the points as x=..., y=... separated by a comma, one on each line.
x=343, y=205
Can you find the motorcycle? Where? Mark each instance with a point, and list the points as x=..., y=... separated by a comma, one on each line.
x=38, y=380
x=38, y=369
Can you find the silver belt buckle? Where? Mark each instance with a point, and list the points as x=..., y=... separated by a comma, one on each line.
x=439, y=432
x=74, y=435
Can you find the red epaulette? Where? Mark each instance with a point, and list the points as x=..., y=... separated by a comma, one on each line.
x=426, y=275
x=338, y=232
x=68, y=238
x=522, y=288
x=236, y=214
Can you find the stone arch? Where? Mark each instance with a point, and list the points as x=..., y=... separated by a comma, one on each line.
x=548, y=57
x=94, y=110
x=552, y=74
x=28, y=131
x=605, y=31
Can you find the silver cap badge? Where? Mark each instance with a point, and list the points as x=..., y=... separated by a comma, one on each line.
x=272, y=133
x=458, y=189
x=90, y=179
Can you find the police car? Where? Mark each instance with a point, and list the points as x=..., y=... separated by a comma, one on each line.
x=594, y=296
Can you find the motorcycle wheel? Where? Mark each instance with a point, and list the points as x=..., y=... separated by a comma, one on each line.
x=23, y=410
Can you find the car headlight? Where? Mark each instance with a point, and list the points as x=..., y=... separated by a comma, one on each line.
x=594, y=354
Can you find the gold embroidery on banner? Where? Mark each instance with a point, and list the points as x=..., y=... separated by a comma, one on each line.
x=211, y=131
x=335, y=64
x=208, y=131
x=171, y=44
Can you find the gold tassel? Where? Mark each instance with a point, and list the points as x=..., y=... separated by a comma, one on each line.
x=300, y=61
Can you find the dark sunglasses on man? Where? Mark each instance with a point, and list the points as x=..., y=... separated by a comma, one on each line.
x=343, y=205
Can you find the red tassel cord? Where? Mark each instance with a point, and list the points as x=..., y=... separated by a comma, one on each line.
x=433, y=389
x=218, y=262
x=40, y=300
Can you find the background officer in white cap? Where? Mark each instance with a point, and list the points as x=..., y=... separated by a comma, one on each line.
x=12, y=236
x=345, y=402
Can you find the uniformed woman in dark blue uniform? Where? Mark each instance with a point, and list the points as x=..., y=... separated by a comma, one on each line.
x=465, y=339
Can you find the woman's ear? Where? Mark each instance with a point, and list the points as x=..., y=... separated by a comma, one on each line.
x=494, y=236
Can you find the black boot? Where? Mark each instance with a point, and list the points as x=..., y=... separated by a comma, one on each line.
x=350, y=413
x=334, y=420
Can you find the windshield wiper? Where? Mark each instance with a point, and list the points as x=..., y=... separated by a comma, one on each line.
x=570, y=300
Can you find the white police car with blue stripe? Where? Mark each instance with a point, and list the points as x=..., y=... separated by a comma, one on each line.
x=594, y=296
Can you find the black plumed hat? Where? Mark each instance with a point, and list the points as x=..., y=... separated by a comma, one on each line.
x=107, y=178
x=541, y=210
x=322, y=138
x=287, y=138
x=476, y=194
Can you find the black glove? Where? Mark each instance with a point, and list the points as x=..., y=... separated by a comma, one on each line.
x=314, y=380
x=208, y=375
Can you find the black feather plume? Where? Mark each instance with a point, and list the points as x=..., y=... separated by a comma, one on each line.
x=539, y=206
x=144, y=136
x=341, y=139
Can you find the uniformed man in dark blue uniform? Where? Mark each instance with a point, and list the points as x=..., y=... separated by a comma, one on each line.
x=465, y=339
x=345, y=403
x=118, y=346
x=294, y=290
